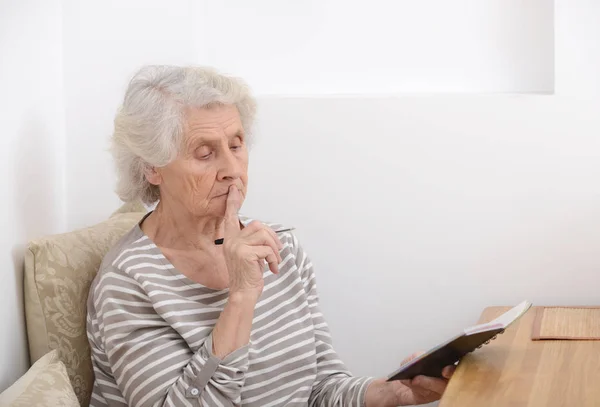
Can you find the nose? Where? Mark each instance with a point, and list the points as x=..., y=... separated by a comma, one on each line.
x=230, y=167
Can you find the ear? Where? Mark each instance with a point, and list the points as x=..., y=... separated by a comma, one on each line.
x=153, y=175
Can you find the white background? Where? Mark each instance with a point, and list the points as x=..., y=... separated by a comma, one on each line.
x=32, y=145
x=435, y=159
x=382, y=46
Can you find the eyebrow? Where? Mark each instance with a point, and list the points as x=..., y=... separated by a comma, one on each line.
x=197, y=142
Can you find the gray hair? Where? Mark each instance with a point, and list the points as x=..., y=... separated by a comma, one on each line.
x=149, y=125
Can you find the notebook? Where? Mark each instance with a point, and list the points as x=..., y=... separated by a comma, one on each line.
x=448, y=353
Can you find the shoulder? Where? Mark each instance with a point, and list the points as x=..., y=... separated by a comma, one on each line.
x=133, y=240
x=112, y=278
x=134, y=244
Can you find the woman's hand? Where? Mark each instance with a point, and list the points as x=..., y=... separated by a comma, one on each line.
x=420, y=390
x=247, y=249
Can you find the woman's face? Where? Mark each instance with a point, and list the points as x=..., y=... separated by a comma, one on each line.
x=213, y=157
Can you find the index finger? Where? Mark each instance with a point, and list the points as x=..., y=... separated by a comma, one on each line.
x=234, y=202
x=448, y=371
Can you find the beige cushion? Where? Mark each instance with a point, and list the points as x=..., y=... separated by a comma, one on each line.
x=135, y=206
x=46, y=384
x=58, y=272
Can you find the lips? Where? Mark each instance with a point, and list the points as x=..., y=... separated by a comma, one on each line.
x=227, y=192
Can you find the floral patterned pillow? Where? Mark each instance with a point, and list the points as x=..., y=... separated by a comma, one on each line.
x=46, y=384
x=58, y=272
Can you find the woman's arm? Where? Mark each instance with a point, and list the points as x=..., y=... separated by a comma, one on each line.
x=233, y=328
x=150, y=361
x=334, y=385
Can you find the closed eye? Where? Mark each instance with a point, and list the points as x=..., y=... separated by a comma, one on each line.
x=204, y=152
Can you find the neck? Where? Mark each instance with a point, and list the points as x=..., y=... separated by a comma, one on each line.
x=172, y=226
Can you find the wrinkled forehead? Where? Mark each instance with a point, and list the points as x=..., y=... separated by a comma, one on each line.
x=212, y=123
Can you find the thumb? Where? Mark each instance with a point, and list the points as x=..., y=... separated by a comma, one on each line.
x=234, y=202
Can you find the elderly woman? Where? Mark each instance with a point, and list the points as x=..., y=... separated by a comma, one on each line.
x=197, y=306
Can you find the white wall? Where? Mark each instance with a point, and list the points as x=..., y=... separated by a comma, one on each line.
x=389, y=47
x=381, y=46
x=31, y=155
x=419, y=212
x=446, y=203
x=104, y=43
x=577, y=54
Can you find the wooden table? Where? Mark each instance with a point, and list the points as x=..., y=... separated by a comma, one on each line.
x=514, y=371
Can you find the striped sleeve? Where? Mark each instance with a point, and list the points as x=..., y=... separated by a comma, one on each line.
x=334, y=385
x=151, y=363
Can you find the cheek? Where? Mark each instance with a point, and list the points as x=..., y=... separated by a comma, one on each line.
x=199, y=183
x=187, y=180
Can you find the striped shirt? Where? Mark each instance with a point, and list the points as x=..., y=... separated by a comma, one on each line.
x=150, y=333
